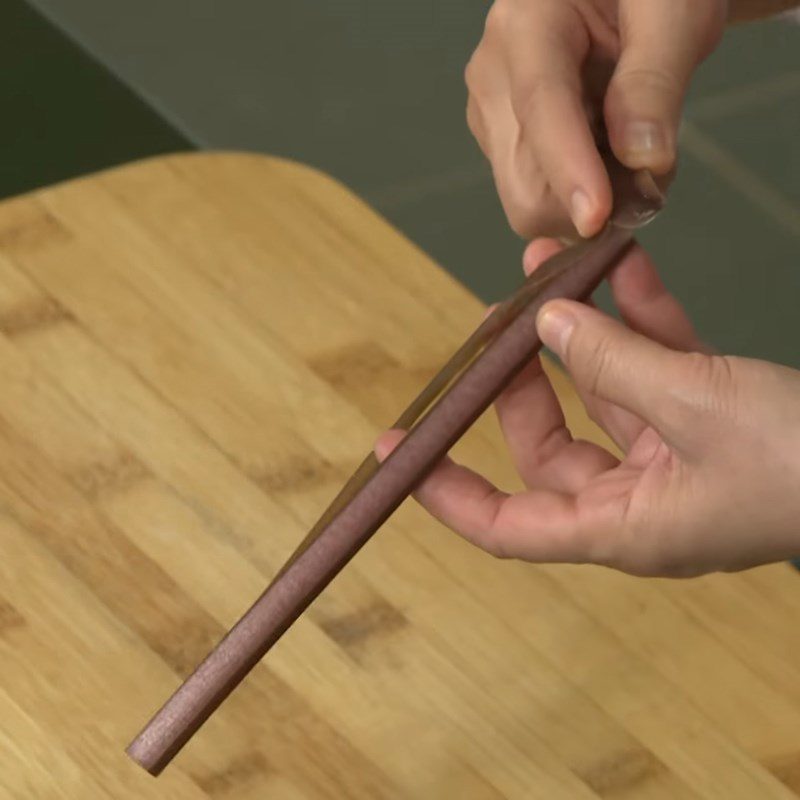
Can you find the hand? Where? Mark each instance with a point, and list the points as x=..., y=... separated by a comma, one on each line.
x=547, y=72
x=710, y=476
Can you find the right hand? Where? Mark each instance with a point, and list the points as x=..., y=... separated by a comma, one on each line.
x=549, y=73
x=709, y=480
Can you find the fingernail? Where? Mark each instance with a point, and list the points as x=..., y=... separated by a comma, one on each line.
x=581, y=212
x=645, y=142
x=489, y=311
x=555, y=326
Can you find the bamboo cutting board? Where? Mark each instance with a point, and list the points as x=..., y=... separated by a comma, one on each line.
x=194, y=353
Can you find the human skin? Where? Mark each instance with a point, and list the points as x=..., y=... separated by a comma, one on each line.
x=549, y=75
x=711, y=444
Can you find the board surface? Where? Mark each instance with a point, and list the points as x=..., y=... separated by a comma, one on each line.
x=194, y=352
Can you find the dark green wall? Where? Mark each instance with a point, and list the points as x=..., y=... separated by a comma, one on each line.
x=63, y=113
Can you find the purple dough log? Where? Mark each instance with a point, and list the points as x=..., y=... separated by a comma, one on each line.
x=286, y=599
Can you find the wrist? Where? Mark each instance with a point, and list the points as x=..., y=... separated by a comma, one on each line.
x=747, y=10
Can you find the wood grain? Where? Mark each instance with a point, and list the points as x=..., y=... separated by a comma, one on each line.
x=194, y=351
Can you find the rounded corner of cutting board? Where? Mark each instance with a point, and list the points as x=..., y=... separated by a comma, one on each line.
x=275, y=166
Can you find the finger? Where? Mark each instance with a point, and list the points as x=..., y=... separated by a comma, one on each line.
x=490, y=116
x=455, y=495
x=531, y=420
x=538, y=440
x=622, y=426
x=546, y=86
x=527, y=201
x=538, y=251
x=662, y=42
x=477, y=125
x=536, y=526
x=648, y=307
x=387, y=442
x=641, y=297
x=491, y=119
x=533, y=424
x=610, y=361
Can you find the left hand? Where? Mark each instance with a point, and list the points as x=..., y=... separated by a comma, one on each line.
x=709, y=477
x=544, y=76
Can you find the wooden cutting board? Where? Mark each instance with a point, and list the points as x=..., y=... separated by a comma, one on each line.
x=194, y=353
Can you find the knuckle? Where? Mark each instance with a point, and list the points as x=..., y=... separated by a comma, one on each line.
x=650, y=78
x=497, y=550
x=493, y=545
x=489, y=536
x=530, y=96
x=524, y=209
x=473, y=121
x=520, y=224
x=499, y=17
x=472, y=73
x=524, y=222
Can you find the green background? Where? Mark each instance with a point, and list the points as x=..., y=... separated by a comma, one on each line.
x=372, y=92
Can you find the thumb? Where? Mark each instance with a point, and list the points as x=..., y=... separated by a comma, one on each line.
x=610, y=361
x=662, y=43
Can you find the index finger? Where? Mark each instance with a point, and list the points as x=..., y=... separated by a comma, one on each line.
x=547, y=96
x=542, y=525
